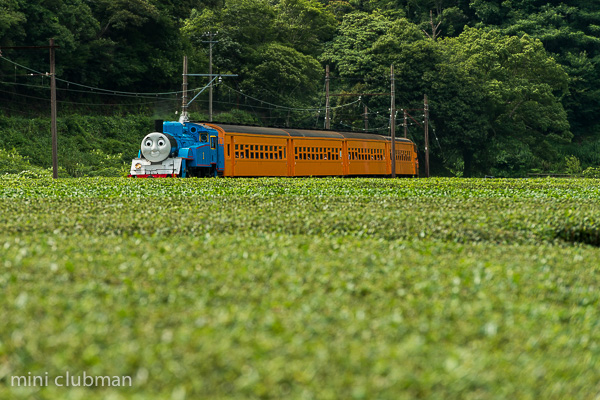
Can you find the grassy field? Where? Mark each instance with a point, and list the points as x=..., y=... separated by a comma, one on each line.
x=301, y=288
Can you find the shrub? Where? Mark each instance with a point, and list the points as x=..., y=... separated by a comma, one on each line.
x=591, y=172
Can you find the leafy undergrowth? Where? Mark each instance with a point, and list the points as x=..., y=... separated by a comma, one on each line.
x=327, y=288
x=500, y=211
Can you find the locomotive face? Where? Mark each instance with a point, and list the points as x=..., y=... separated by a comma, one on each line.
x=156, y=147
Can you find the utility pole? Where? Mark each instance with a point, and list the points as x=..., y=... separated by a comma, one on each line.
x=52, y=75
x=211, y=42
x=405, y=123
x=366, y=119
x=426, y=127
x=53, y=111
x=327, y=111
x=393, y=122
x=184, y=88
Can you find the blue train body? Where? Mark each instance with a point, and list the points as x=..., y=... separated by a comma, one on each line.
x=179, y=149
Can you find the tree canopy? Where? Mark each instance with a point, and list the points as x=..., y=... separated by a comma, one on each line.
x=513, y=85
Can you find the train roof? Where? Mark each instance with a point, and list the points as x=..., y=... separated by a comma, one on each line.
x=307, y=133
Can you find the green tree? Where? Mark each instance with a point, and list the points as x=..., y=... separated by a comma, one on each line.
x=304, y=24
x=11, y=20
x=350, y=52
x=518, y=86
x=270, y=45
x=283, y=74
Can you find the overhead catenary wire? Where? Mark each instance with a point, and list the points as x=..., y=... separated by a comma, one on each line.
x=107, y=91
x=286, y=107
x=156, y=96
x=84, y=104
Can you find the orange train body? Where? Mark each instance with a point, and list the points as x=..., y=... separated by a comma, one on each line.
x=258, y=151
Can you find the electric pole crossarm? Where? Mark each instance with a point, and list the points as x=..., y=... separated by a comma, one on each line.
x=203, y=89
x=217, y=75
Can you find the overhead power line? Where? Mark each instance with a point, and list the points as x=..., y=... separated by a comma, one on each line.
x=286, y=107
x=107, y=91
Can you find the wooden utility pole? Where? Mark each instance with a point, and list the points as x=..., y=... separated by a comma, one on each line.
x=393, y=122
x=53, y=130
x=405, y=123
x=327, y=111
x=210, y=89
x=426, y=128
x=53, y=111
x=184, y=88
x=366, y=119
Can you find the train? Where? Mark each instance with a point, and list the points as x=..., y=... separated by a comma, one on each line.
x=201, y=149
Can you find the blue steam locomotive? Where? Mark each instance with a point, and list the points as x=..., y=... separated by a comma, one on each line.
x=179, y=149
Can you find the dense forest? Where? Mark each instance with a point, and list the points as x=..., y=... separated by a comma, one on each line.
x=513, y=85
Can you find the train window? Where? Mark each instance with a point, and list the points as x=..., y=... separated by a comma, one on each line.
x=284, y=153
x=246, y=153
x=228, y=150
x=236, y=146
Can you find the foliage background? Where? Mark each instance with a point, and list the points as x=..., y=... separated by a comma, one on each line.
x=513, y=86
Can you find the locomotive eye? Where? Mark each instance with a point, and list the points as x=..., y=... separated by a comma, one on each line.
x=148, y=143
x=161, y=143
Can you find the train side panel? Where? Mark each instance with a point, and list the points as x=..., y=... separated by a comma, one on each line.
x=406, y=159
x=253, y=155
x=367, y=157
x=318, y=157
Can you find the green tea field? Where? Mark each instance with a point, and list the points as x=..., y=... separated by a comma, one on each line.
x=299, y=288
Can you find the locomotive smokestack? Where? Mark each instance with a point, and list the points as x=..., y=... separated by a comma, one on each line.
x=158, y=125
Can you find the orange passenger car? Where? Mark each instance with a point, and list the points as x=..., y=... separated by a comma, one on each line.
x=258, y=151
